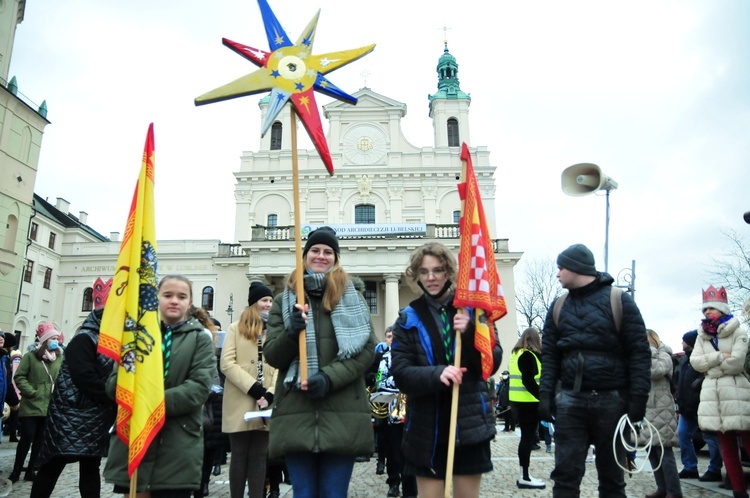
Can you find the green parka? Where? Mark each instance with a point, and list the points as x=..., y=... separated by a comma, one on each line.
x=35, y=383
x=340, y=422
x=173, y=461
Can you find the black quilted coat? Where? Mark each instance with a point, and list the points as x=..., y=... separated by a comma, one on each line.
x=586, y=342
x=80, y=413
x=418, y=359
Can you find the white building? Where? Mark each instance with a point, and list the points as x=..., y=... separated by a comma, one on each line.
x=406, y=194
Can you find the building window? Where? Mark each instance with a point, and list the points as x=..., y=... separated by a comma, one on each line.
x=52, y=237
x=33, y=231
x=371, y=297
x=273, y=220
x=88, y=299
x=456, y=217
x=47, y=278
x=27, y=272
x=207, y=301
x=452, y=132
x=364, y=214
x=276, y=136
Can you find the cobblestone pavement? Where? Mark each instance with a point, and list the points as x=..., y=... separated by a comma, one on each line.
x=501, y=482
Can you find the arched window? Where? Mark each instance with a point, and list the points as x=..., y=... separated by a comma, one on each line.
x=456, y=217
x=453, y=132
x=364, y=214
x=207, y=299
x=276, y=129
x=11, y=230
x=88, y=299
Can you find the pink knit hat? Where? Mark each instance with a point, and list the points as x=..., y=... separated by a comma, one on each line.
x=46, y=331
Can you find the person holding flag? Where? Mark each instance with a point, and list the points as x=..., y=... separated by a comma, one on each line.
x=423, y=353
x=171, y=467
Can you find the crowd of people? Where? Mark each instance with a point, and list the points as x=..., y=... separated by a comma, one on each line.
x=286, y=390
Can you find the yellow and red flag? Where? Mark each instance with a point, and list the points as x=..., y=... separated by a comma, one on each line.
x=130, y=330
x=478, y=283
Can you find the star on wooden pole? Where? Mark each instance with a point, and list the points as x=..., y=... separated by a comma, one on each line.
x=292, y=73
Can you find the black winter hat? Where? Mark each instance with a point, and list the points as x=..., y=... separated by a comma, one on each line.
x=690, y=338
x=578, y=259
x=323, y=235
x=257, y=291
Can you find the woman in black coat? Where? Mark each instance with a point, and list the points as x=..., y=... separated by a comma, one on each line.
x=80, y=415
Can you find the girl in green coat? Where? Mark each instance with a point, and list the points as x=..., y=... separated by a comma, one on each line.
x=320, y=424
x=35, y=379
x=172, y=464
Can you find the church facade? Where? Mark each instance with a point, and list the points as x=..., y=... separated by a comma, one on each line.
x=386, y=198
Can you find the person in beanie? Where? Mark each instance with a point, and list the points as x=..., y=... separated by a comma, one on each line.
x=248, y=387
x=724, y=406
x=321, y=423
x=35, y=379
x=80, y=412
x=8, y=392
x=687, y=397
x=603, y=366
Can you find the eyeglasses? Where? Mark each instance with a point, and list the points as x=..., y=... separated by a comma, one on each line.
x=436, y=272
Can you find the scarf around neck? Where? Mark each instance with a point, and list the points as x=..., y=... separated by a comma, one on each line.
x=350, y=319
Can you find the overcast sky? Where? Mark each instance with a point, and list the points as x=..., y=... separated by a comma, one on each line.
x=656, y=93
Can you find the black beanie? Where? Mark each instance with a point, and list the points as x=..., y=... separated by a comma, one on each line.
x=690, y=338
x=578, y=259
x=323, y=235
x=257, y=291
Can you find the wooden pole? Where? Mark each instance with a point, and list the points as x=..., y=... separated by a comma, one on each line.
x=299, y=267
x=134, y=484
x=454, y=398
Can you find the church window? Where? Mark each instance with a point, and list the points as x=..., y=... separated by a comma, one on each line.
x=453, y=132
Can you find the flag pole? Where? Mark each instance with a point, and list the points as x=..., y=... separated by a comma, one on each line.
x=454, y=398
x=134, y=484
x=299, y=272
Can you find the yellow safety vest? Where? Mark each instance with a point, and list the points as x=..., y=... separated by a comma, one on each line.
x=516, y=390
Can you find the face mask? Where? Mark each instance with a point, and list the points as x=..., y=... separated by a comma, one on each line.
x=53, y=344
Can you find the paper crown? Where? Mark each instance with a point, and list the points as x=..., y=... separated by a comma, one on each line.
x=716, y=298
x=101, y=291
x=47, y=330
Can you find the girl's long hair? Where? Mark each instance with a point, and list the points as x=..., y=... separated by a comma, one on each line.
x=202, y=316
x=250, y=324
x=529, y=340
x=334, y=285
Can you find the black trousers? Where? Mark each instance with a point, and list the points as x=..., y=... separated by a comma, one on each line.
x=89, y=481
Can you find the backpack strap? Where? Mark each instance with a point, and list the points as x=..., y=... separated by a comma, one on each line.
x=615, y=297
x=558, y=306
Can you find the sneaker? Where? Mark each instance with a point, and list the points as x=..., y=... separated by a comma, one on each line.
x=710, y=476
x=549, y=448
x=380, y=468
x=688, y=474
x=393, y=491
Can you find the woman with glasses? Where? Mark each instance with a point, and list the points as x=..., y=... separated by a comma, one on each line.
x=423, y=353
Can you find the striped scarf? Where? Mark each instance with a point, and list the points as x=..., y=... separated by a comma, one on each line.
x=350, y=319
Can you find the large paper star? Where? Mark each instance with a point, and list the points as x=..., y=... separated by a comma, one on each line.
x=291, y=72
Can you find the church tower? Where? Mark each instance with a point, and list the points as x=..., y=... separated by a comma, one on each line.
x=449, y=107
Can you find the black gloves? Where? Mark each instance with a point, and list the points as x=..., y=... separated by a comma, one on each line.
x=296, y=324
x=318, y=385
x=257, y=391
x=547, y=409
x=269, y=397
x=637, y=408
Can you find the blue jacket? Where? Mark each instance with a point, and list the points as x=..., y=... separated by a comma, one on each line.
x=418, y=360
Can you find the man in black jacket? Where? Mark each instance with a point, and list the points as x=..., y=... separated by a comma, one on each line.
x=596, y=367
x=687, y=397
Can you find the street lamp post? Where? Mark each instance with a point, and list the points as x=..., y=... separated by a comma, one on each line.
x=230, y=308
x=626, y=280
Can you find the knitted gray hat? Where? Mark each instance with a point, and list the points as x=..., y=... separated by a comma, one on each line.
x=578, y=259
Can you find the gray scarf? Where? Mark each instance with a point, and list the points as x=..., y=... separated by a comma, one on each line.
x=350, y=319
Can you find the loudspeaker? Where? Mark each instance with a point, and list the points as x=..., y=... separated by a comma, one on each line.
x=746, y=217
x=585, y=178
